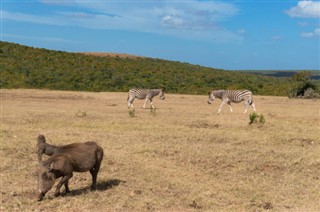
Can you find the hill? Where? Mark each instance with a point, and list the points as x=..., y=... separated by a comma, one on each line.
x=28, y=67
x=315, y=74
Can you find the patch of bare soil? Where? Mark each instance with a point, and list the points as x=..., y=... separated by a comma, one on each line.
x=109, y=54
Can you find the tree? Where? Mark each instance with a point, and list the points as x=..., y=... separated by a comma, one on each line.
x=301, y=82
x=301, y=77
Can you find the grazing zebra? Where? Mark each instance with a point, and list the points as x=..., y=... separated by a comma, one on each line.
x=236, y=96
x=144, y=94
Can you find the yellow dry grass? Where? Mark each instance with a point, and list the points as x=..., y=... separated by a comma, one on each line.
x=182, y=157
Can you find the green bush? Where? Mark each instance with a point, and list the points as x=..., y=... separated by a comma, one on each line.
x=255, y=118
x=302, y=86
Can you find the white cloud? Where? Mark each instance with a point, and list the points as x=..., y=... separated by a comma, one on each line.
x=192, y=19
x=315, y=33
x=305, y=9
x=173, y=21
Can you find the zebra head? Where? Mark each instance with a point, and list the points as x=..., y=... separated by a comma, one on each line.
x=161, y=94
x=211, y=97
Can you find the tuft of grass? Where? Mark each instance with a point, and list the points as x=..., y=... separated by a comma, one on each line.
x=80, y=114
x=256, y=118
x=132, y=113
x=153, y=111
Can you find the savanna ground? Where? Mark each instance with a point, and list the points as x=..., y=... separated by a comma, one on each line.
x=182, y=157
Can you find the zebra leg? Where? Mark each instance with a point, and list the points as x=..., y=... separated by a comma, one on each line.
x=151, y=103
x=229, y=104
x=145, y=102
x=130, y=103
x=254, y=107
x=246, y=103
x=221, y=106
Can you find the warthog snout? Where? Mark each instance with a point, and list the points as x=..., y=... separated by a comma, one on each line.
x=41, y=195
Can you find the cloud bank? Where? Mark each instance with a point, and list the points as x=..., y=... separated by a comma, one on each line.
x=305, y=9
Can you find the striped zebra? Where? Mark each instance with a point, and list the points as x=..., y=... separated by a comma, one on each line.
x=146, y=94
x=236, y=96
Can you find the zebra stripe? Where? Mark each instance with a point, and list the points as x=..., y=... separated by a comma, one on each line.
x=146, y=94
x=236, y=96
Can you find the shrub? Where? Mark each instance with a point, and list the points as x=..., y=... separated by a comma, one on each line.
x=131, y=113
x=255, y=118
x=262, y=120
x=302, y=86
x=310, y=94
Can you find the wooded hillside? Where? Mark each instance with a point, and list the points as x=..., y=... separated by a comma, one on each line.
x=28, y=67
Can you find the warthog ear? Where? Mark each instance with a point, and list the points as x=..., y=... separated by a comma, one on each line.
x=41, y=139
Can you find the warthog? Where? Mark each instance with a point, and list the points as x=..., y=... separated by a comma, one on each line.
x=77, y=157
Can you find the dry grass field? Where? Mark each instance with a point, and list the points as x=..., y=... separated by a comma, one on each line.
x=182, y=157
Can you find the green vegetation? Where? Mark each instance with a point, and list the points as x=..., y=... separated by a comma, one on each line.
x=303, y=86
x=27, y=67
x=256, y=118
x=131, y=112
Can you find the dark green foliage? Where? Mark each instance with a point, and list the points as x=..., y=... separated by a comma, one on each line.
x=27, y=67
x=303, y=86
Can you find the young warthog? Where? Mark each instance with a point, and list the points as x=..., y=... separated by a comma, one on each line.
x=77, y=157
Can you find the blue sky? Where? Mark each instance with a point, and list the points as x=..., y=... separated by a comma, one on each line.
x=227, y=34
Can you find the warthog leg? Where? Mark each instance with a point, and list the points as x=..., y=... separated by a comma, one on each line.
x=66, y=185
x=94, y=172
x=64, y=181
